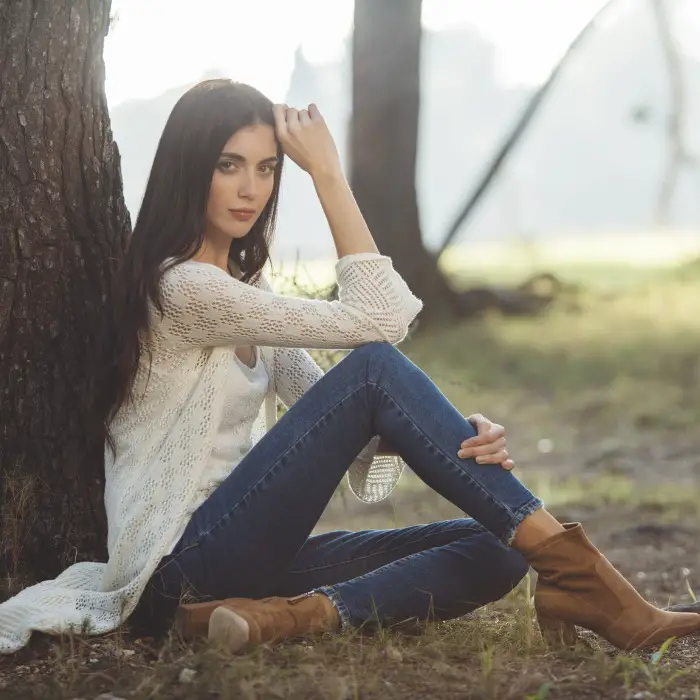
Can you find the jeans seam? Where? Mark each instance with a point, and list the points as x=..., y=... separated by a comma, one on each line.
x=445, y=456
x=270, y=471
x=373, y=554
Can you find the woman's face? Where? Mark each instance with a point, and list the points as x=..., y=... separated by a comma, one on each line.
x=243, y=180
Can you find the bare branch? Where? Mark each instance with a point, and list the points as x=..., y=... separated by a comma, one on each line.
x=676, y=120
x=519, y=128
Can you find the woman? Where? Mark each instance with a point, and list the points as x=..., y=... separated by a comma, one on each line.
x=213, y=527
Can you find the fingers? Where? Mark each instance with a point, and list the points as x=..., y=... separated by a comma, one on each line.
x=289, y=118
x=489, y=435
x=315, y=113
x=304, y=117
x=487, y=431
x=279, y=112
x=480, y=450
x=489, y=445
x=292, y=117
x=495, y=453
x=500, y=457
x=496, y=457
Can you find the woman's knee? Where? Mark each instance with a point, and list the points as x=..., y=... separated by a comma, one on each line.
x=375, y=349
x=378, y=359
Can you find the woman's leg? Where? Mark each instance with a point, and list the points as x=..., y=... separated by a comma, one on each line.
x=437, y=571
x=247, y=533
x=250, y=529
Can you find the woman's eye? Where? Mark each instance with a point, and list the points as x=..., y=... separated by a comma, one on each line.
x=226, y=164
x=267, y=169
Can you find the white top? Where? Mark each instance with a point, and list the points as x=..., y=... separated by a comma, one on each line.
x=244, y=393
x=166, y=440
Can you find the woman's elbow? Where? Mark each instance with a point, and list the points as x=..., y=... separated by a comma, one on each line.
x=397, y=332
x=403, y=320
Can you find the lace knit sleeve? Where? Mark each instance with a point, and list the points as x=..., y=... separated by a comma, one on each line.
x=294, y=369
x=204, y=306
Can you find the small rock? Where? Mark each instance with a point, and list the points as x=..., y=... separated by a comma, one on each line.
x=187, y=675
x=641, y=695
x=126, y=652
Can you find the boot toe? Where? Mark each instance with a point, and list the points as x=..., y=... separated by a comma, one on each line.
x=676, y=625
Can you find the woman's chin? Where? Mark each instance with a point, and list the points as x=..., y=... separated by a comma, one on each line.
x=238, y=233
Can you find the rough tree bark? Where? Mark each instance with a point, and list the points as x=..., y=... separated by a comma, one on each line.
x=63, y=223
x=383, y=146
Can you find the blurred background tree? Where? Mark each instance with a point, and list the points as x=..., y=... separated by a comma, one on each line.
x=386, y=53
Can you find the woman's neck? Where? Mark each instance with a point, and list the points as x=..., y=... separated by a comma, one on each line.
x=214, y=254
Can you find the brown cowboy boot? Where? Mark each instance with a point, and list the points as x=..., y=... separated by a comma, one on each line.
x=577, y=585
x=245, y=623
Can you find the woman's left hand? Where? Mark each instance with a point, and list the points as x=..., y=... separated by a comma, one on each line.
x=489, y=445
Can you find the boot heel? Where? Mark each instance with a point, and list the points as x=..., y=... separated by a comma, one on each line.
x=192, y=619
x=557, y=633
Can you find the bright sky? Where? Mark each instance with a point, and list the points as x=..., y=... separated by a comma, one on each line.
x=158, y=44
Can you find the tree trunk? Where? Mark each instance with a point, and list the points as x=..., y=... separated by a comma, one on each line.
x=63, y=223
x=384, y=135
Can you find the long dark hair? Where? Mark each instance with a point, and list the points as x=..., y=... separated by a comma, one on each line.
x=171, y=223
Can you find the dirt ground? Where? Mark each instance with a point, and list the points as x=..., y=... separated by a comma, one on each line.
x=495, y=653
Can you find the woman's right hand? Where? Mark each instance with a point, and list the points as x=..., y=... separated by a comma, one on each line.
x=305, y=138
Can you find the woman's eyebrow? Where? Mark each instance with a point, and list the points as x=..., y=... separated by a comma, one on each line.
x=242, y=159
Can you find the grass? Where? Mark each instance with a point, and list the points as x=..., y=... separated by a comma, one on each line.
x=497, y=653
x=600, y=400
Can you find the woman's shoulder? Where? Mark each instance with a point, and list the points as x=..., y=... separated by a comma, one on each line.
x=188, y=268
x=191, y=274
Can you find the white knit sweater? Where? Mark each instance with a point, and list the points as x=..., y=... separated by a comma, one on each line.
x=165, y=440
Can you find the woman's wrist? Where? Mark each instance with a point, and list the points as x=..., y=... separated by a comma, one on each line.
x=327, y=174
x=348, y=227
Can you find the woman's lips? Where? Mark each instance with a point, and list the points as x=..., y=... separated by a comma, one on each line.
x=242, y=214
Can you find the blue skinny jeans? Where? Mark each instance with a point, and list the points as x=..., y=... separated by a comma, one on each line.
x=252, y=537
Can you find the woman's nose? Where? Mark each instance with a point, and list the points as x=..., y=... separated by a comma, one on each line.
x=249, y=186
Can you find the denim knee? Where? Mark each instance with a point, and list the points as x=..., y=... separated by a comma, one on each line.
x=376, y=348
x=378, y=358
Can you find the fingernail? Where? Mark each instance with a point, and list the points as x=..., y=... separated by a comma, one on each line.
x=461, y=454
